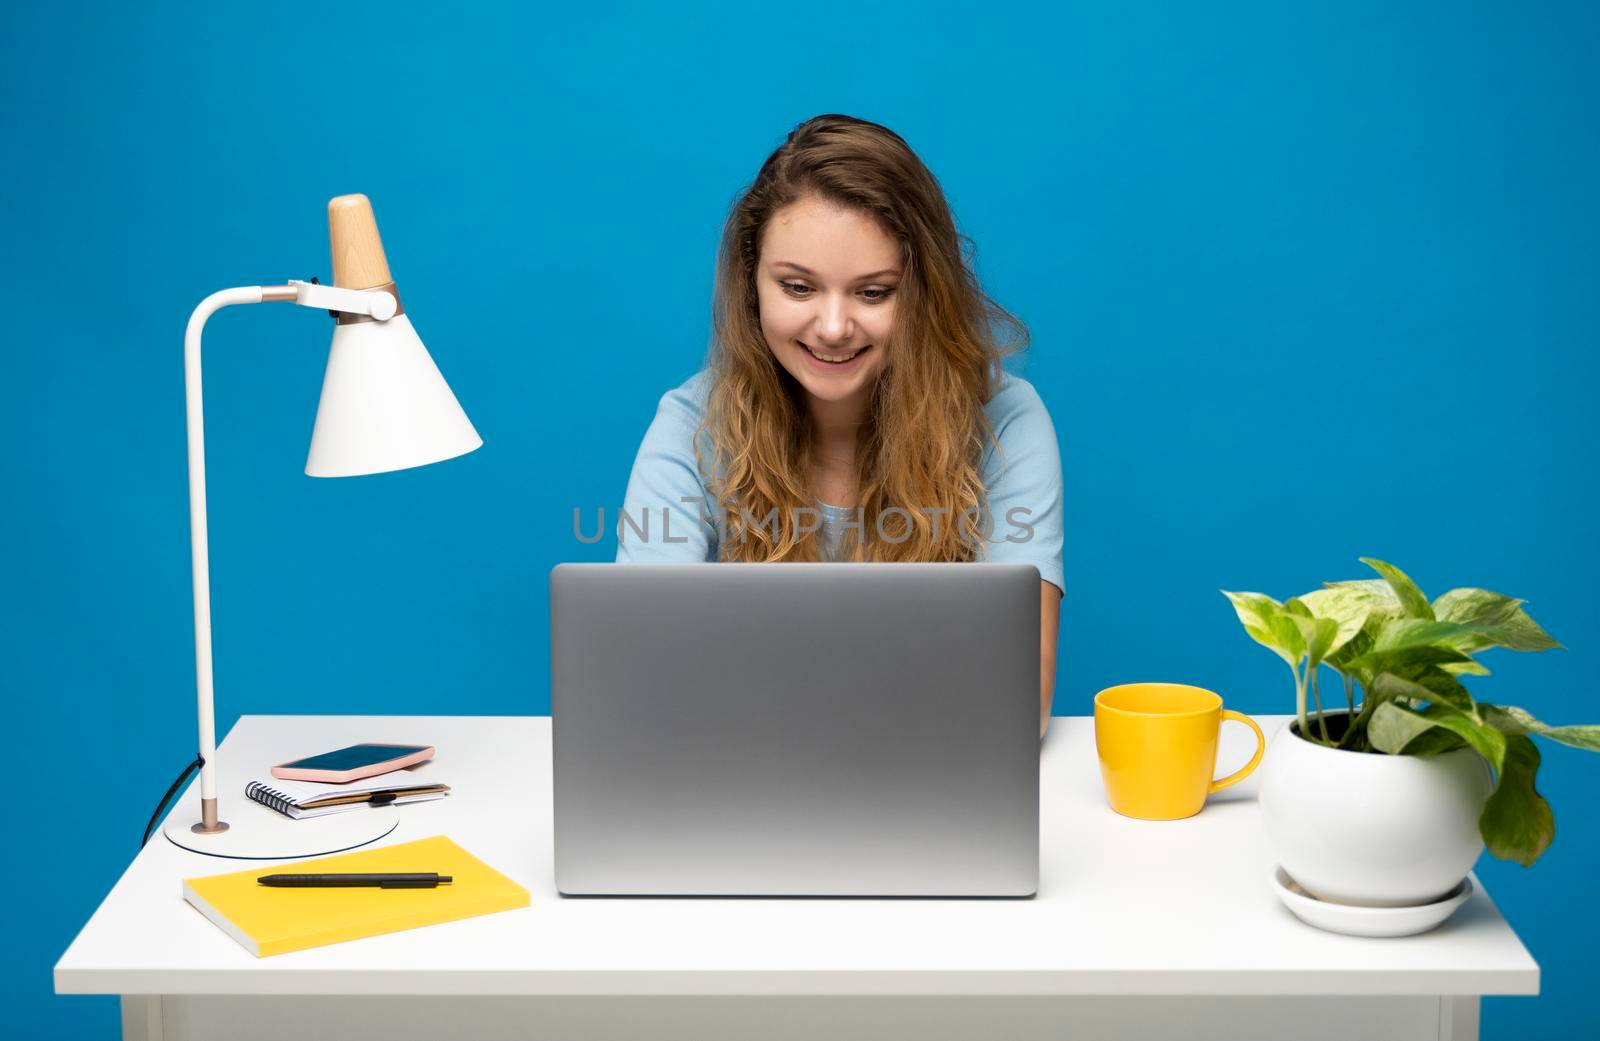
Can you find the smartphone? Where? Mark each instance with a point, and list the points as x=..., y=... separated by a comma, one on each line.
x=353, y=763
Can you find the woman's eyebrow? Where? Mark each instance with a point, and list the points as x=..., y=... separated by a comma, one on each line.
x=813, y=274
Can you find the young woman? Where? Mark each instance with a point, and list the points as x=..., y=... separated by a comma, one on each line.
x=854, y=407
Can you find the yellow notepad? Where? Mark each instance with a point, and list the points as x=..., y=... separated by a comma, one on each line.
x=268, y=920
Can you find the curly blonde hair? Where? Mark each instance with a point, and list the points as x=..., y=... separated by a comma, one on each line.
x=917, y=461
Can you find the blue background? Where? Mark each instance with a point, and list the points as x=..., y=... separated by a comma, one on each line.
x=1306, y=282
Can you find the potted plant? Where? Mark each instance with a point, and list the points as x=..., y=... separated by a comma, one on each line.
x=1388, y=799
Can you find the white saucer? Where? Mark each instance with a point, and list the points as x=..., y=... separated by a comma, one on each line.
x=1366, y=921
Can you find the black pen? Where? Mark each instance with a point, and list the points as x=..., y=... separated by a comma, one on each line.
x=383, y=880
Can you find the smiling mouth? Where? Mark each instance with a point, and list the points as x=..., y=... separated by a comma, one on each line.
x=834, y=359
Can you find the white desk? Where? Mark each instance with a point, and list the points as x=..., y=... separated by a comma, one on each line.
x=1140, y=929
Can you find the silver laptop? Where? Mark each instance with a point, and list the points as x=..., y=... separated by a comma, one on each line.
x=830, y=729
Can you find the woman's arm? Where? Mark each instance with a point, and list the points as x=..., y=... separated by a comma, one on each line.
x=660, y=517
x=1049, y=631
x=1022, y=476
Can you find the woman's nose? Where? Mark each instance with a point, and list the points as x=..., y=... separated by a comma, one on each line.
x=833, y=324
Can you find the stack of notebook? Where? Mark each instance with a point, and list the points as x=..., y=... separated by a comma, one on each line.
x=300, y=799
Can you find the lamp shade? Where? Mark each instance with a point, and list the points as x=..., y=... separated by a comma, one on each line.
x=384, y=404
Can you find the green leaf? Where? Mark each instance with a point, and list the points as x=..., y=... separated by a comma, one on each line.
x=1349, y=609
x=1586, y=736
x=1388, y=685
x=1512, y=720
x=1445, y=689
x=1317, y=633
x=1254, y=609
x=1403, y=646
x=1485, y=739
x=1374, y=592
x=1517, y=823
x=1401, y=633
x=1436, y=741
x=1475, y=607
x=1431, y=686
x=1501, y=621
x=1392, y=728
x=1412, y=602
x=1382, y=605
x=1409, y=662
x=1521, y=633
x=1359, y=645
x=1258, y=604
x=1465, y=668
x=1264, y=619
x=1290, y=640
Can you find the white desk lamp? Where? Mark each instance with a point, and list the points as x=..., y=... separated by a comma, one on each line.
x=384, y=407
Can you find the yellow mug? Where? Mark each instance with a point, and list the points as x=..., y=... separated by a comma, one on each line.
x=1158, y=748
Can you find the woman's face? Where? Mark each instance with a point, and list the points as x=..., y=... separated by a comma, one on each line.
x=825, y=284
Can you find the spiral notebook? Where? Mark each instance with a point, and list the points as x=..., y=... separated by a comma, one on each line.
x=301, y=799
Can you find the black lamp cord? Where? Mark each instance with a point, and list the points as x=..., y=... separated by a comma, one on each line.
x=199, y=761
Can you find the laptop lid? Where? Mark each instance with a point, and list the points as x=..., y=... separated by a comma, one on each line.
x=836, y=729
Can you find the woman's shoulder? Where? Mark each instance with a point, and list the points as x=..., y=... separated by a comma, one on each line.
x=1022, y=480
x=1025, y=454
x=677, y=428
x=685, y=404
x=1016, y=407
x=677, y=432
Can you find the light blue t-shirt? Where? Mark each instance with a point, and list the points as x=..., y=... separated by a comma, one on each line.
x=669, y=517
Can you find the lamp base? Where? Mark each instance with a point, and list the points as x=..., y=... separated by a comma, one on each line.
x=260, y=833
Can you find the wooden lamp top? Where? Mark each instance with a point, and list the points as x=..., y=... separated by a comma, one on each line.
x=358, y=260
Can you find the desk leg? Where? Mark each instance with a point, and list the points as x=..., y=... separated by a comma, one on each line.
x=1458, y=1019
x=142, y=1018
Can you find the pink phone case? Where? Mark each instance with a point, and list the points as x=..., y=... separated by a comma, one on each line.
x=288, y=773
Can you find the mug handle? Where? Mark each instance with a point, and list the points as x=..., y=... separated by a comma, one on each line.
x=1255, y=760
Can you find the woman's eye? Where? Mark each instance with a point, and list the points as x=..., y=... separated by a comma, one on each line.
x=800, y=289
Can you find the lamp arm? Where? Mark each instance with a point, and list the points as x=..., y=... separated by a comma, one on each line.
x=373, y=303
x=379, y=305
x=198, y=550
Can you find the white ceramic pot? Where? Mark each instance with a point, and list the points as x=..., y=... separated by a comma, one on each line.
x=1371, y=829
